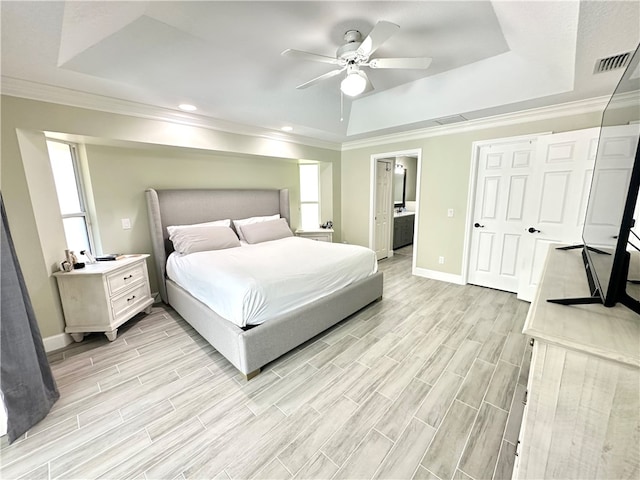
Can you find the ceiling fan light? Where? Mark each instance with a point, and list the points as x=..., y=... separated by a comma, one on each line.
x=353, y=84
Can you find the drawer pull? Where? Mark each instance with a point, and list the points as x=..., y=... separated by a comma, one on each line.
x=531, y=342
x=129, y=299
x=128, y=277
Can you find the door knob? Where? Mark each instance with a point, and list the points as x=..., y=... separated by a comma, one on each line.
x=477, y=225
x=533, y=230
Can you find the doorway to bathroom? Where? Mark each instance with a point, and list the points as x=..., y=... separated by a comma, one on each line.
x=402, y=205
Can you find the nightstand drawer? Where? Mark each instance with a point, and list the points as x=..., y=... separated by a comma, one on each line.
x=318, y=234
x=319, y=237
x=122, y=279
x=122, y=305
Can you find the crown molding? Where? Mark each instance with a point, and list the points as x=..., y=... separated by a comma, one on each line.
x=74, y=98
x=544, y=113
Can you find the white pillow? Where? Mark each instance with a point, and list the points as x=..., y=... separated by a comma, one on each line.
x=203, y=238
x=248, y=221
x=265, y=231
x=218, y=223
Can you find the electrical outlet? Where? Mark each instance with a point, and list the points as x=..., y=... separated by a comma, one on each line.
x=450, y=212
x=126, y=223
x=441, y=260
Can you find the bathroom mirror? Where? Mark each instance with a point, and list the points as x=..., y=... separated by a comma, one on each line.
x=399, y=184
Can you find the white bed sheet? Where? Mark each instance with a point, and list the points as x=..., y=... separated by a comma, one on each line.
x=250, y=284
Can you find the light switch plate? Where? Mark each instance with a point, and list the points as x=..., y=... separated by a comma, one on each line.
x=450, y=212
x=126, y=224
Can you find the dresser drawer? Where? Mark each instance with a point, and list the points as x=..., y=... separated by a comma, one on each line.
x=122, y=305
x=119, y=281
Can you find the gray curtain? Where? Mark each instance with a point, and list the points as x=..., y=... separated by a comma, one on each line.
x=26, y=380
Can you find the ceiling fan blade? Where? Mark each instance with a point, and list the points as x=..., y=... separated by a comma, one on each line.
x=330, y=74
x=380, y=34
x=309, y=56
x=420, y=63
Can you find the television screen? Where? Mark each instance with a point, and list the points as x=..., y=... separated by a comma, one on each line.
x=613, y=196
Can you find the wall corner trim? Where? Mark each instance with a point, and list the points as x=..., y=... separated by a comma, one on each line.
x=56, y=342
x=435, y=275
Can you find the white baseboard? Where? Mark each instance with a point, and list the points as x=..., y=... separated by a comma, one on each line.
x=56, y=342
x=442, y=276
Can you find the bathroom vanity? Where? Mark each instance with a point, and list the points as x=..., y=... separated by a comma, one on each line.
x=403, y=229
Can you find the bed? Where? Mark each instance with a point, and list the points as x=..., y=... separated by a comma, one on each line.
x=248, y=349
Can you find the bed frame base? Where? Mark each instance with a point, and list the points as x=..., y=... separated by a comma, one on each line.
x=250, y=375
x=249, y=350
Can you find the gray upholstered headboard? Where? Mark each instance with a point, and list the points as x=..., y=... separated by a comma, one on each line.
x=184, y=207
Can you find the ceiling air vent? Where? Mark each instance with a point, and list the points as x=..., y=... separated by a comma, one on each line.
x=448, y=120
x=612, y=63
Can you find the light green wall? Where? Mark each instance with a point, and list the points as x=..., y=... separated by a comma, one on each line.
x=33, y=212
x=326, y=193
x=119, y=177
x=444, y=183
x=42, y=248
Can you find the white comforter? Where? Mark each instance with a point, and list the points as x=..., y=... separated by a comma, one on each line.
x=250, y=284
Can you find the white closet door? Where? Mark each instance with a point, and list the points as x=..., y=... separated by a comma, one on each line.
x=384, y=172
x=498, y=225
x=560, y=184
x=615, y=161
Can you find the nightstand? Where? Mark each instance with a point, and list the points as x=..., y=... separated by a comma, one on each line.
x=320, y=234
x=102, y=296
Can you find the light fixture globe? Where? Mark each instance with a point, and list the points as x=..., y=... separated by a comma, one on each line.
x=354, y=83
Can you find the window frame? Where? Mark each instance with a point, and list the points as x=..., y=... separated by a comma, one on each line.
x=317, y=203
x=77, y=172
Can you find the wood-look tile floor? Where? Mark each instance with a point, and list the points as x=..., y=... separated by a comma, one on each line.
x=427, y=383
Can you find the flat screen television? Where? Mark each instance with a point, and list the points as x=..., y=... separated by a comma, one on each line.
x=608, y=233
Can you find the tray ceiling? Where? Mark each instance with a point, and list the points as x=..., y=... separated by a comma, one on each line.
x=224, y=57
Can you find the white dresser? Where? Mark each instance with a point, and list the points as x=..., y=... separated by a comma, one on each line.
x=582, y=414
x=320, y=234
x=102, y=296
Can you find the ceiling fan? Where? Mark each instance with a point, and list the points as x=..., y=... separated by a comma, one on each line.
x=354, y=55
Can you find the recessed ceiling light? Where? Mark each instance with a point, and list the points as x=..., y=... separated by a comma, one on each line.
x=287, y=128
x=187, y=107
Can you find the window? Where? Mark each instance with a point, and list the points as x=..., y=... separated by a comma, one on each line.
x=66, y=176
x=309, y=195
